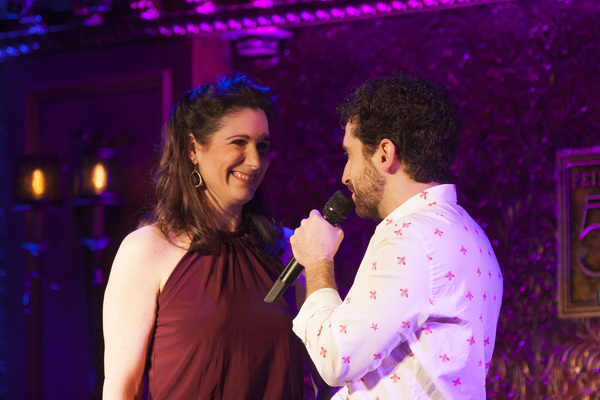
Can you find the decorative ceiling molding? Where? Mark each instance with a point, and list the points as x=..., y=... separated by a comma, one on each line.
x=106, y=25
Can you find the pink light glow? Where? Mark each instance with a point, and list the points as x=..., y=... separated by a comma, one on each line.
x=94, y=20
x=206, y=8
x=322, y=15
x=262, y=3
x=163, y=30
x=306, y=16
x=337, y=13
x=398, y=5
x=248, y=23
x=141, y=4
x=353, y=12
x=150, y=14
x=193, y=29
x=233, y=24
x=367, y=9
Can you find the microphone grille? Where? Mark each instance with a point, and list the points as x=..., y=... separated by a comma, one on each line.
x=341, y=202
x=338, y=207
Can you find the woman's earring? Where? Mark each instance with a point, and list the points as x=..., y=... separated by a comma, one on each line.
x=196, y=178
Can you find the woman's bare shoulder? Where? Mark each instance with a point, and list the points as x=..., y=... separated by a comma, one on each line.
x=147, y=251
x=148, y=235
x=150, y=240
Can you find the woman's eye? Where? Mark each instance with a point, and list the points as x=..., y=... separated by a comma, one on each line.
x=239, y=142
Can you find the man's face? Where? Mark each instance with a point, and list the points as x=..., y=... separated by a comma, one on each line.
x=362, y=178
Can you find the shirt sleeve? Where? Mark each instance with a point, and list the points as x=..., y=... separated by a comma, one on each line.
x=388, y=301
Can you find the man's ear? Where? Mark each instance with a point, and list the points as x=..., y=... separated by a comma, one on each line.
x=385, y=155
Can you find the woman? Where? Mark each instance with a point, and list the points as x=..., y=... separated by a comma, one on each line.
x=184, y=302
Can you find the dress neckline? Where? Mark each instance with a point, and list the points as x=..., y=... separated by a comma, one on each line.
x=232, y=234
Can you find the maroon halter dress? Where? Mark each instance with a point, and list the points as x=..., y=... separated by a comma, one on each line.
x=215, y=337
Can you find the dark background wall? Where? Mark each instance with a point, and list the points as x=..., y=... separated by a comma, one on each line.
x=525, y=76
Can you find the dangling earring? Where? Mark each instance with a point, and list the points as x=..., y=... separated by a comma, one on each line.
x=196, y=179
x=195, y=176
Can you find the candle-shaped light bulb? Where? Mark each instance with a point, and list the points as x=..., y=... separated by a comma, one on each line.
x=99, y=178
x=38, y=183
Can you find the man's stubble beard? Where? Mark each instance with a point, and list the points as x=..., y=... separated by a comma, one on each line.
x=368, y=192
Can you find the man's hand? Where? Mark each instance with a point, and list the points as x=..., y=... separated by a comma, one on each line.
x=314, y=244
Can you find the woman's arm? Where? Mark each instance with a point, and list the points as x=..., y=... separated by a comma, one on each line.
x=129, y=312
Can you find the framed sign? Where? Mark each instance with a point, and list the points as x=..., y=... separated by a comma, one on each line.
x=579, y=232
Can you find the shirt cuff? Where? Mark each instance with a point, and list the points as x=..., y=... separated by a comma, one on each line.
x=319, y=301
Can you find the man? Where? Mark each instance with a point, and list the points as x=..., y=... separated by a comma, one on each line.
x=420, y=320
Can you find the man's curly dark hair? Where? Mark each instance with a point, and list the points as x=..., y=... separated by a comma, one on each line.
x=415, y=114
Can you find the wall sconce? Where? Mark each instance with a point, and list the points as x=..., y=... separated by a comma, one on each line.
x=100, y=180
x=37, y=185
x=36, y=182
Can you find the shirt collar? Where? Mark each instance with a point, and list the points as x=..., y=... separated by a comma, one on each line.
x=436, y=194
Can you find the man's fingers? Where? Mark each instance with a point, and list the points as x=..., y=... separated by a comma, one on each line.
x=314, y=212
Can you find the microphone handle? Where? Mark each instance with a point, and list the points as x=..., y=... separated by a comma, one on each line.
x=287, y=278
x=291, y=272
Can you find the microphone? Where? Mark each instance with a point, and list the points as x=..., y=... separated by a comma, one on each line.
x=335, y=211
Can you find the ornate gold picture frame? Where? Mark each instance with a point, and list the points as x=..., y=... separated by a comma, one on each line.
x=579, y=232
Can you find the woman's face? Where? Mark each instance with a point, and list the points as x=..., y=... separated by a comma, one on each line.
x=234, y=161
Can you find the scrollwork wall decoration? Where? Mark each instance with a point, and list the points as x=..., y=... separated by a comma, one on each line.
x=575, y=364
x=509, y=375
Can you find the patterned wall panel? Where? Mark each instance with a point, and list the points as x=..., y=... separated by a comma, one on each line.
x=525, y=76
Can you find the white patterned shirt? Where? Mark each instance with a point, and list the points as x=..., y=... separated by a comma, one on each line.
x=420, y=320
